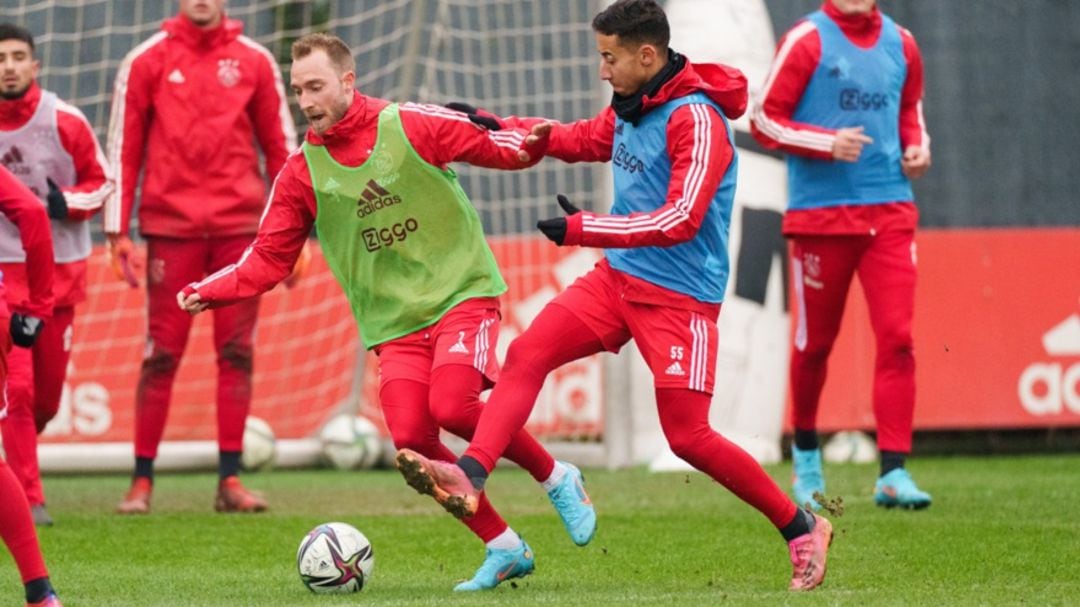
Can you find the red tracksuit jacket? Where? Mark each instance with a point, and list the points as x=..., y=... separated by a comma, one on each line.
x=188, y=104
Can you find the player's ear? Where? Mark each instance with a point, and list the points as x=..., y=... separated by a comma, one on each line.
x=348, y=79
x=647, y=55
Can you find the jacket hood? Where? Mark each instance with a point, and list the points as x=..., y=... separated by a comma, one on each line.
x=181, y=28
x=723, y=84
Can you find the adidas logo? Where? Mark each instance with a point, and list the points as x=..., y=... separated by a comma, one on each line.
x=373, y=198
x=675, y=369
x=459, y=347
x=331, y=184
x=176, y=77
x=12, y=156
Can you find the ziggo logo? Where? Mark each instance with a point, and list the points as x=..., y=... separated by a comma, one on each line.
x=377, y=238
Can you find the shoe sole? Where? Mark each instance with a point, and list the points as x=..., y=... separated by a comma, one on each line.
x=419, y=478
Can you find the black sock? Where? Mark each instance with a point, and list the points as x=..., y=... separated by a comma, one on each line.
x=806, y=440
x=37, y=590
x=228, y=463
x=476, y=473
x=891, y=460
x=144, y=466
x=802, y=524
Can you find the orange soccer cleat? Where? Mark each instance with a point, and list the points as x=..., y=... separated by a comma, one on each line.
x=137, y=500
x=444, y=481
x=808, y=555
x=232, y=496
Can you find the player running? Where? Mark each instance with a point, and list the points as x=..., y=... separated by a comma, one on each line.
x=662, y=279
x=407, y=246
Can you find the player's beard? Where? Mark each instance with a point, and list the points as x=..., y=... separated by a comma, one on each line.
x=13, y=94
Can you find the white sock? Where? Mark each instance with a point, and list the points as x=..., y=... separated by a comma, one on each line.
x=557, y=474
x=507, y=540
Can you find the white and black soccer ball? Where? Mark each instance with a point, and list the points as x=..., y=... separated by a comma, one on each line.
x=350, y=442
x=259, y=446
x=335, y=558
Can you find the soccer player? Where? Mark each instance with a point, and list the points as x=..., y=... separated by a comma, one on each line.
x=22, y=210
x=189, y=105
x=49, y=146
x=844, y=100
x=402, y=238
x=662, y=278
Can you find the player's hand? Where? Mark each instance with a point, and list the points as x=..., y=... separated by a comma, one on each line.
x=535, y=142
x=555, y=229
x=58, y=208
x=916, y=161
x=126, y=261
x=300, y=268
x=477, y=116
x=849, y=142
x=190, y=301
x=25, y=329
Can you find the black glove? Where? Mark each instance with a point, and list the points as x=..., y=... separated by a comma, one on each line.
x=58, y=208
x=478, y=116
x=25, y=329
x=555, y=229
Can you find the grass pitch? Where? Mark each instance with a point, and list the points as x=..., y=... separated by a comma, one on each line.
x=1002, y=530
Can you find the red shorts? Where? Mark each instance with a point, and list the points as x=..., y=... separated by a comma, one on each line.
x=678, y=339
x=466, y=335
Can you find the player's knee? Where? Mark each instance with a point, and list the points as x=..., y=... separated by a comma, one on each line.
x=526, y=355
x=160, y=363
x=237, y=355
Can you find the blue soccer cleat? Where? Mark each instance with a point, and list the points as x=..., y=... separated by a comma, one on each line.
x=897, y=488
x=500, y=565
x=807, y=477
x=574, y=506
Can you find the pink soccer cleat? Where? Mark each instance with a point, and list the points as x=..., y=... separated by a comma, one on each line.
x=808, y=555
x=444, y=481
x=232, y=496
x=49, y=601
x=137, y=500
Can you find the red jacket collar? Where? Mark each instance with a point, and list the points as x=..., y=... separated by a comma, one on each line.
x=723, y=84
x=356, y=118
x=16, y=112
x=181, y=28
x=864, y=27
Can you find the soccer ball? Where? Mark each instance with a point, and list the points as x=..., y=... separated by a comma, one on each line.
x=335, y=558
x=260, y=448
x=350, y=442
x=850, y=446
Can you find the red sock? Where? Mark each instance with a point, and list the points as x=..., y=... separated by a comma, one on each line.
x=17, y=528
x=684, y=417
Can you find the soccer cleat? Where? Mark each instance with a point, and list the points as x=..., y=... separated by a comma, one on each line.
x=137, y=500
x=897, y=488
x=574, y=506
x=808, y=555
x=232, y=496
x=500, y=565
x=807, y=477
x=41, y=515
x=49, y=601
x=444, y=481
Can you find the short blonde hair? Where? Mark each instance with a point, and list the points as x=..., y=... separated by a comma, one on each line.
x=334, y=47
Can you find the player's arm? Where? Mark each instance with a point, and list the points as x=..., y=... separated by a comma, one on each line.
x=93, y=185
x=270, y=258
x=585, y=140
x=22, y=208
x=269, y=112
x=441, y=136
x=771, y=123
x=914, y=138
x=128, y=124
x=700, y=154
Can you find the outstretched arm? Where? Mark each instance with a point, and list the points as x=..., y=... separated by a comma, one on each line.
x=441, y=136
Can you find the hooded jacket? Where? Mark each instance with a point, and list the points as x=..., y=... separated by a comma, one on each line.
x=187, y=106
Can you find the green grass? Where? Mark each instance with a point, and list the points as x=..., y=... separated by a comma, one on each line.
x=1002, y=530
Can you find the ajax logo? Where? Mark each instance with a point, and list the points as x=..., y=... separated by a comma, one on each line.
x=1048, y=388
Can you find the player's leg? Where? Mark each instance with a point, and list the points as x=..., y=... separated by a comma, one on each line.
x=172, y=263
x=16, y=526
x=822, y=269
x=405, y=409
x=19, y=433
x=50, y=356
x=234, y=331
x=680, y=348
x=887, y=272
x=464, y=343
